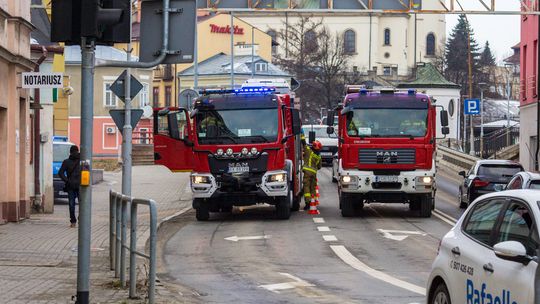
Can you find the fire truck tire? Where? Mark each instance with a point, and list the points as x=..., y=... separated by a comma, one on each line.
x=414, y=204
x=426, y=205
x=227, y=208
x=347, y=206
x=202, y=212
x=284, y=206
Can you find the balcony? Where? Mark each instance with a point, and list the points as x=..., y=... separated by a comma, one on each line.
x=164, y=72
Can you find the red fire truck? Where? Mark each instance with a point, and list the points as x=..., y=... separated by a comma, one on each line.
x=242, y=146
x=387, y=145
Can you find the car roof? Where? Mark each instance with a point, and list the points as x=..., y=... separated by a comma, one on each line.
x=529, y=175
x=527, y=195
x=497, y=162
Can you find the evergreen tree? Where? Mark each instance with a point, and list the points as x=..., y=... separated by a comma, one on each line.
x=456, y=56
x=488, y=66
x=486, y=58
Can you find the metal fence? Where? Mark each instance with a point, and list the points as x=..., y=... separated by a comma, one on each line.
x=118, y=206
x=496, y=141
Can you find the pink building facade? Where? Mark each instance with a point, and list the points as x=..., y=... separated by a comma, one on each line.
x=529, y=96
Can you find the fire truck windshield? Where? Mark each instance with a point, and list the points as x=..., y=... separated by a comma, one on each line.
x=237, y=126
x=387, y=122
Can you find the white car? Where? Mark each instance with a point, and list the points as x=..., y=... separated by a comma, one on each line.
x=328, y=141
x=491, y=254
x=524, y=180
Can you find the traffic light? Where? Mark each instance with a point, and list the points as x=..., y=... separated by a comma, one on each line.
x=107, y=21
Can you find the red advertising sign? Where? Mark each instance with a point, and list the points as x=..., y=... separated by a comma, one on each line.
x=226, y=29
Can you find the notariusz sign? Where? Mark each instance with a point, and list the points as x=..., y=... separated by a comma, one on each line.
x=42, y=80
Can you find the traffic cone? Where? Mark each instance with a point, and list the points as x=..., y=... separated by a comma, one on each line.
x=317, y=195
x=313, y=207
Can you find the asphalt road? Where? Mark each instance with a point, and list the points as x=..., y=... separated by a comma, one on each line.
x=382, y=256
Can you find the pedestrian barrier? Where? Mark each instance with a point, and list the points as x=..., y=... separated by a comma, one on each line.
x=118, y=205
x=455, y=160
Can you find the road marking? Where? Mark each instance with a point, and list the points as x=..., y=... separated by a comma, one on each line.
x=355, y=263
x=318, y=220
x=444, y=217
x=399, y=235
x=330, y=238
x=247, y=238
x=297, y=282
x=323, y=228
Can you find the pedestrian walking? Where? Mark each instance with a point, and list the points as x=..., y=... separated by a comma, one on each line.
x=70, y=173
x=312, y=163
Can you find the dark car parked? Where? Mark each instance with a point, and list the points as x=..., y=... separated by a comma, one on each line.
x=486, y=176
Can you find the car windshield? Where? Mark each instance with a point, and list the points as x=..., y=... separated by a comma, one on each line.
x=498, y=170
x=319, y=132
x=60, y=152
x=535, y=184
x=237, y=126
x=387, y=122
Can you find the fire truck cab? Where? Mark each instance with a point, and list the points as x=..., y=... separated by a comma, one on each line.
x=242, y=146
x=387, y=146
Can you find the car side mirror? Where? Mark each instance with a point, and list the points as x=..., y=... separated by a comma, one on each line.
x=311, y=136
x=462, y=173
x=330, y=118
x=445, y=130
x=173, y=125
x=330, y=130
x=444, y=118
x=512, y=251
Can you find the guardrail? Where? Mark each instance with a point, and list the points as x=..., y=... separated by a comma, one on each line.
x=455, y=160
x=118, y=205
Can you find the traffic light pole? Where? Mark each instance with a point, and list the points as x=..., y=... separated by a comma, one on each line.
x=85, y=196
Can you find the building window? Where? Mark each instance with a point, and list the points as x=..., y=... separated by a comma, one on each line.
x=387, y=71
x=386, y=36
x=273, y=35
x=168, y=94
x=349, y=42
x=143, y=97
x=109, y=99
x=310, y=41
x=155, y=97
x=430, y=44
x=261, y=67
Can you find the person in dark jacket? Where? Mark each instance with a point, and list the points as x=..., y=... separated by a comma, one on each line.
x=70, y=173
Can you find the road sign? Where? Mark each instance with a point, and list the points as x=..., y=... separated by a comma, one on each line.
x=118, y=117
x=186, y=98
x=181, y=20
x=118, y=86
x=34, y=80
x=472, y=106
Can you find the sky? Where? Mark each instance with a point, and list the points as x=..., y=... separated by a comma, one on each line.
x=501, y=31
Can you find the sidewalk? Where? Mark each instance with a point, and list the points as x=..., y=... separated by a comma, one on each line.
x=38, y=257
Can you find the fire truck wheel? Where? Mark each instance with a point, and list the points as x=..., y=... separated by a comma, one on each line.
x=347, y=205
x=426, y=205
x=202, y=211
x=414, y=204
x=227, y=208
x=283, y=206
x=296, y=200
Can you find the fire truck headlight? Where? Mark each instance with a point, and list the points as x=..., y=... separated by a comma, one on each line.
x=424, y=181
x=280, y=177
x=229, y=152
x=347, y=179
x=254, y=151
x=245, y=151
x=198, y=179
x=219, y=152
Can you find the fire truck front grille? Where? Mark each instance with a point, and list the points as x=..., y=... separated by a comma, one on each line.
x=390, y=156
x=246, y=182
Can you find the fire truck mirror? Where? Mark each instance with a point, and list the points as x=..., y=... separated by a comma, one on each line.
x=445, y=130
x=296, y=122
x=330, y=130
x=211, y=131
x=444, y=118
x=174, y=132
x=330, y=119
x=311, y=136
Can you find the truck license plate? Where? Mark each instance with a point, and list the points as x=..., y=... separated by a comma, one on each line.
x=386, y=179
x=62, y=193
x=326, y=153
x=238, y=168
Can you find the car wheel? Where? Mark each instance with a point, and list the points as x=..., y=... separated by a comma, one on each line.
x=441, y=295
x=347, y=205
x=462, y=204
x=426, y=205
x=202, y=213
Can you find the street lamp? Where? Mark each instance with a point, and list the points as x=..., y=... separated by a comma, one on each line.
x=481, y=86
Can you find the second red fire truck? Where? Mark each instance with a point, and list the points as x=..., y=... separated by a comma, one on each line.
x=242, y=146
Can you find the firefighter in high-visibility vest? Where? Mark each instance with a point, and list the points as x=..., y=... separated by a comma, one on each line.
x=413, y=126
x=312, y=163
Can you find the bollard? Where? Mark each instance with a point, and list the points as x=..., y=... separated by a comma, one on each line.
x=112, y=226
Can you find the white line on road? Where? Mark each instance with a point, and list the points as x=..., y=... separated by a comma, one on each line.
x=444, y=217
x=330, y=238
x=318, y=220
x=355, y=263
x=247, y=238
x=399, y=235
x=297, y=282
x=323, y=228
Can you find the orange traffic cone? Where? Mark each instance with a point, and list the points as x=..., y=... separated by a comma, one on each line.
x=317, y=195
x=313, y=207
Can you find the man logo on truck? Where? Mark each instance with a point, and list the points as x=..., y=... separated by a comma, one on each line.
x=387, y=156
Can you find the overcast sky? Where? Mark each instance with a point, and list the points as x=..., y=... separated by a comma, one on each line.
x=501, y=31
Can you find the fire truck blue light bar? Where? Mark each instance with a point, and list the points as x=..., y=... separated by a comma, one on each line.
x=251, y=90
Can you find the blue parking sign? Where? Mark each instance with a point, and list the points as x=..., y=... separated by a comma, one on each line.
x=472, y=106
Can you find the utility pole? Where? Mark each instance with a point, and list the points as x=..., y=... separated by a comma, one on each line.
x=508, y=111
x=481, y=123
x=85, y=198
x=232, y=50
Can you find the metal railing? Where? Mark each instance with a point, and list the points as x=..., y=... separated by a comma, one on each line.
x=497, y=141
x=118, y=205
x=455, y=160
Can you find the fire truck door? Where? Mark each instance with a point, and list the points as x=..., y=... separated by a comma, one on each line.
x=172, y=146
